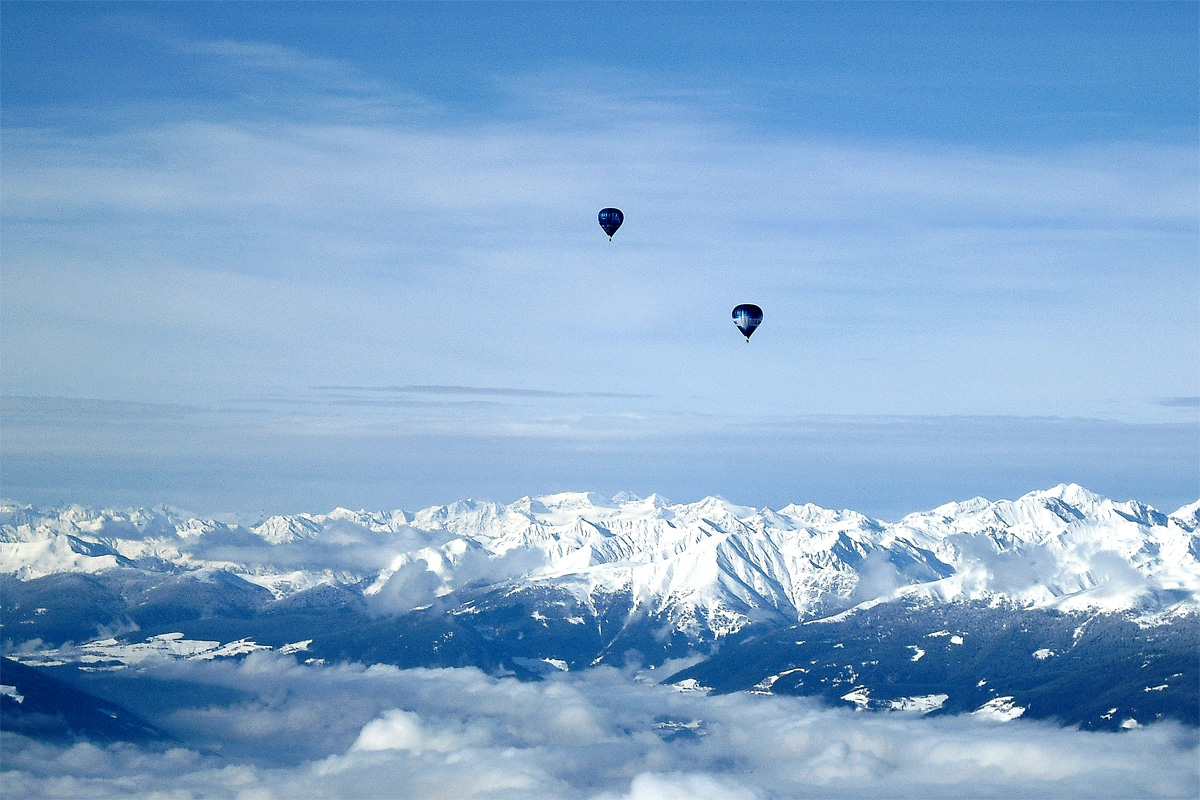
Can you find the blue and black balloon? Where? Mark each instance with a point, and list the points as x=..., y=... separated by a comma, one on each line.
x=747, y=317
x=610, y=220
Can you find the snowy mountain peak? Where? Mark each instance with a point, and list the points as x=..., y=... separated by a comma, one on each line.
x=711, y=566
x=280, y=529
x=809, y=514
x=1070, y=493
x=1187, y=517
x=574, y=500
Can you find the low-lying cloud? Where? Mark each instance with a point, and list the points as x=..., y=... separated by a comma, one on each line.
x=354, y=731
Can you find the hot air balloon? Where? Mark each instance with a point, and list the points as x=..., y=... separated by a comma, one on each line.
x=747, y=317
x=610, y=220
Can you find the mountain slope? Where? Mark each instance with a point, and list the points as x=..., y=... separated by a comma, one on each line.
x=36, y=704
x=1050, y=606
x=708, y=568
x=1099, y=671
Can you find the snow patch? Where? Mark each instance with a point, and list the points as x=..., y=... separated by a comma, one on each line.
x=924, y=704
x=542, y=666
x=860, y=697
x=691, y=685
x=999, y=709
x=113, y=654
x=764, y=686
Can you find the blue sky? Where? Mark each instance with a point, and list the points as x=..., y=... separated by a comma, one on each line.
x=289, y=256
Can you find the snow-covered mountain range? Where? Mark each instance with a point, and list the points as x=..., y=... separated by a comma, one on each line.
x=710, y=567
x=1058, y=605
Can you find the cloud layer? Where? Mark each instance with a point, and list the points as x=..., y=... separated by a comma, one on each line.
x=350, y=731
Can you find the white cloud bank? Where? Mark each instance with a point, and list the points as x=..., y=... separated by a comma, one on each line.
x=349, y=732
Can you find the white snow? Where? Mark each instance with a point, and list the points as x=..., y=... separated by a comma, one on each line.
x=917, y=652
x=711, y=567
x=924, y=704
x=691, y=685
x=764, y=686
x=1043, y=653
x=542, y=666
x=671, y=726
x=11, y=691
x=860, y=697
x=239, y=648
x=999, y=709
x=114, y=654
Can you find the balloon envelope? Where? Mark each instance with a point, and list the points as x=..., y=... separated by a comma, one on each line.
x=610, y=220
x=747, y=317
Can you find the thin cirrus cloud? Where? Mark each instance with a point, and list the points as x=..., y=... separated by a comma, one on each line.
x=265, y=78
x=471, y=390
x=273, y=57
x=20, y=410
x=443, y=276
x=378, y=731
x=964, y=259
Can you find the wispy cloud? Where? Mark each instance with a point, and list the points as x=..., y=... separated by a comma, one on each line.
x=272, y=243
x=277, y=78
x=443, y=280
x=473, y=390
x=268, y=56
x=18, y=410
x=1180, y=402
